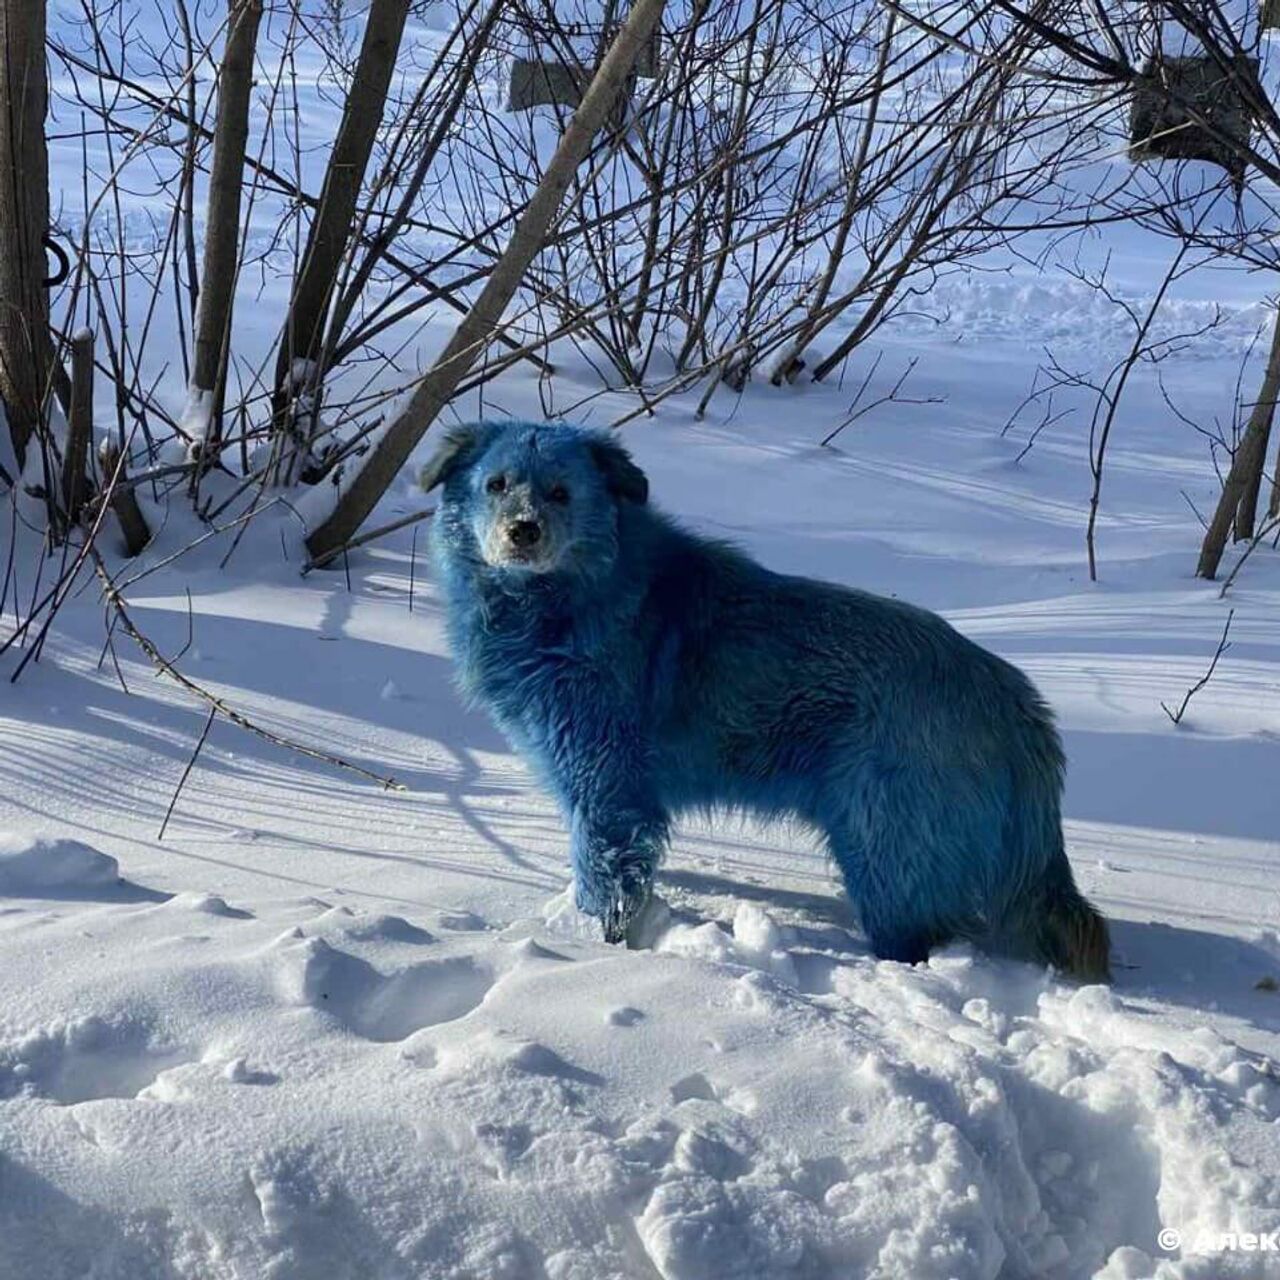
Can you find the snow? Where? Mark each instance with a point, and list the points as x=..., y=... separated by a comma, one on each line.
x=321, y=1089
x=29, y=867
x=196, y=415
x=324, y=1029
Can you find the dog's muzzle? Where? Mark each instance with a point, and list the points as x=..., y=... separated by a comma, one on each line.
x=521, y=541
x=524, y=534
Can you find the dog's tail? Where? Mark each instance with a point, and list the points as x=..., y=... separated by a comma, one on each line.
x=1073, y=935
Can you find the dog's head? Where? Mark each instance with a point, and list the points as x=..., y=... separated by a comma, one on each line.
x=534, y=497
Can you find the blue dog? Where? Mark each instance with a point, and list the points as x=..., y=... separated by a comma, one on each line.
x=645, y=671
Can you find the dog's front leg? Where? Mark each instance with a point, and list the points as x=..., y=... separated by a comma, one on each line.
x=615, y=848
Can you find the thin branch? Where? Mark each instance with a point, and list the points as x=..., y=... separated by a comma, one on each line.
x=380, y=532
x=1223, y=646
x=117, y=602
x=204, y=733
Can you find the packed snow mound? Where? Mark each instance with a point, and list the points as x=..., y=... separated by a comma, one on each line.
x=35, y=865
x=337, y=1093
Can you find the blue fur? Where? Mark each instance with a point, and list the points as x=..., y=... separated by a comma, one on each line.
x=652, y=672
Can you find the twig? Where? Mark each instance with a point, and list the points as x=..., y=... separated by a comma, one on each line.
x=117, y=602
x=1223, y=646
x=1195, y=511
x=1269, y=527
x=413, y=565
x=61, y=589
x=204, y=733
x=1048, y=420
x=191, y=630
x=890, y=397
x=380, y=532
x=1100, y=433
x=115, y=662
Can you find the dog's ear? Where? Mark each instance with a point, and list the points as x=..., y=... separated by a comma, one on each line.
x=458, y=442
x=624, y=478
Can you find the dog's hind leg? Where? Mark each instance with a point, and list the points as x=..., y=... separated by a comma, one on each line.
x=898, y=923
x=904, y=852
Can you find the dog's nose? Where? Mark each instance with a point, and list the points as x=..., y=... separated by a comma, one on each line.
x=524, y=533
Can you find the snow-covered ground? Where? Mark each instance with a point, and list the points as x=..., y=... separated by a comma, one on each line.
x=324, y=1030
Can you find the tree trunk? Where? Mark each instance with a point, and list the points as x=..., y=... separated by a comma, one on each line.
x=332, y=225
x=476, y=329
x=26, y=354
x=1246, y=467
x=1247, y=511
x=122, y=498
x=226, y=185
x=79, y=426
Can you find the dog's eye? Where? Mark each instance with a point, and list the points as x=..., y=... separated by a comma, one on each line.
x=496, y=484
x=558, y=495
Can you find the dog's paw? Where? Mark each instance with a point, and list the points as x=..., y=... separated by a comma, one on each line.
x=615, y=921
x=648, y=924
x=623, y=917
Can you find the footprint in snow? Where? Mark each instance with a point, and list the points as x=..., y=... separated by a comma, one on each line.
x=380, y=1006
x=362, y=927
x=88, y=1059
x=625, y=1016
x=697, y=1087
